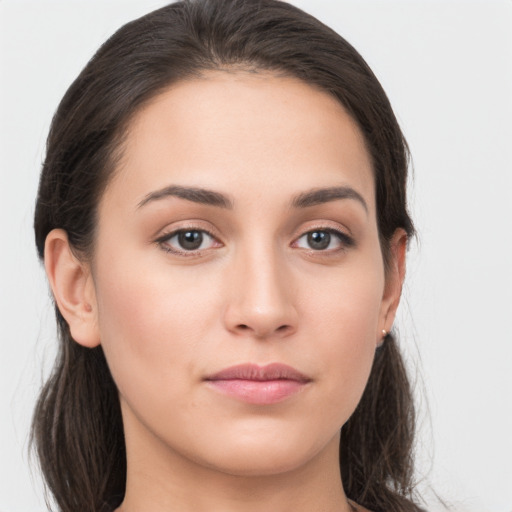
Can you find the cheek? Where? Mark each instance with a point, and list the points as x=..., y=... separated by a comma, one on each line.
x=346, y=314
x=347, y=302
x=151, y=325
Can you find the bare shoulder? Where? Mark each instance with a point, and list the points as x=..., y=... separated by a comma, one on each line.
x=358, y=508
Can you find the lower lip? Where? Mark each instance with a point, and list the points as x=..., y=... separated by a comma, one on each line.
x=258, y=392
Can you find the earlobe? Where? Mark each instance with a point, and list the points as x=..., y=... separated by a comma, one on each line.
x=395, y=275
x=73, y=288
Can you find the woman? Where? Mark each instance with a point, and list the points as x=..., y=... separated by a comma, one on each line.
x=222, y=217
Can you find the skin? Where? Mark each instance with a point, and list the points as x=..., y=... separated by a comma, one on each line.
x=255, y=291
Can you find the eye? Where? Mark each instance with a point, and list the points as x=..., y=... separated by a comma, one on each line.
x=323, y=240
x=188, y=240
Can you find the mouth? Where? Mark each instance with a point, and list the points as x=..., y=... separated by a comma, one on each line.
x=261, y=385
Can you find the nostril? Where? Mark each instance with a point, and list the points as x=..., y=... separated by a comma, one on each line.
x=281, y=329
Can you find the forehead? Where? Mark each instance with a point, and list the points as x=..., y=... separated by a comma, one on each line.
x=243, y=132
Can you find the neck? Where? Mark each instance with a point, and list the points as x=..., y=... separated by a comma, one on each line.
x=162, y=480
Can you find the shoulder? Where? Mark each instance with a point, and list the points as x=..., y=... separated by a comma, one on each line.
x=358, y=508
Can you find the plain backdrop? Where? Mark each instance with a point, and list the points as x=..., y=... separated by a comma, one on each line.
x=447, y=68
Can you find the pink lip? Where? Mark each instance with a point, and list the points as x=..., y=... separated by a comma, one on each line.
x=259, y=384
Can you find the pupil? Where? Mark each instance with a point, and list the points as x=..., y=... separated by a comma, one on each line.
x=190, y=240
x=319, y=240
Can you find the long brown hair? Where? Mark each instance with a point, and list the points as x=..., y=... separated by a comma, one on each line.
x=77, y=425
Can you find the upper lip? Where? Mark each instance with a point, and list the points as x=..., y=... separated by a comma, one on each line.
x=250, y=371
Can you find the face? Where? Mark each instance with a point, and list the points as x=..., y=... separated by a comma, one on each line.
x=239, y=286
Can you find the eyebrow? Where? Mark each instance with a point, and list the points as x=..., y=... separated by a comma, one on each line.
x=325, y=195
x=196, y=195
x=210, y=197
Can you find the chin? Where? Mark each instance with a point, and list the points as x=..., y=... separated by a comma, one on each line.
x=257, y=455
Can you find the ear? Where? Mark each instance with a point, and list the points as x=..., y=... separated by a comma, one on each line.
x=73, y=288
x=395, y=275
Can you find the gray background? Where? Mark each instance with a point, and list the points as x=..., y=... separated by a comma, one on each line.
x=447, y=68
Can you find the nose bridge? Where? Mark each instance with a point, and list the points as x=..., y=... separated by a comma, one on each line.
x=262, y=297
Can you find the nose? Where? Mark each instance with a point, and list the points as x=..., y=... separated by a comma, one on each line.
x=261, y=303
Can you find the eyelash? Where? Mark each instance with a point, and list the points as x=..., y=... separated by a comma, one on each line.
x=344, y=240
x=163, y=241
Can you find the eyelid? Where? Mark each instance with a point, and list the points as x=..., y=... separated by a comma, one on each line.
x=171, y=232
x=346, y=239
